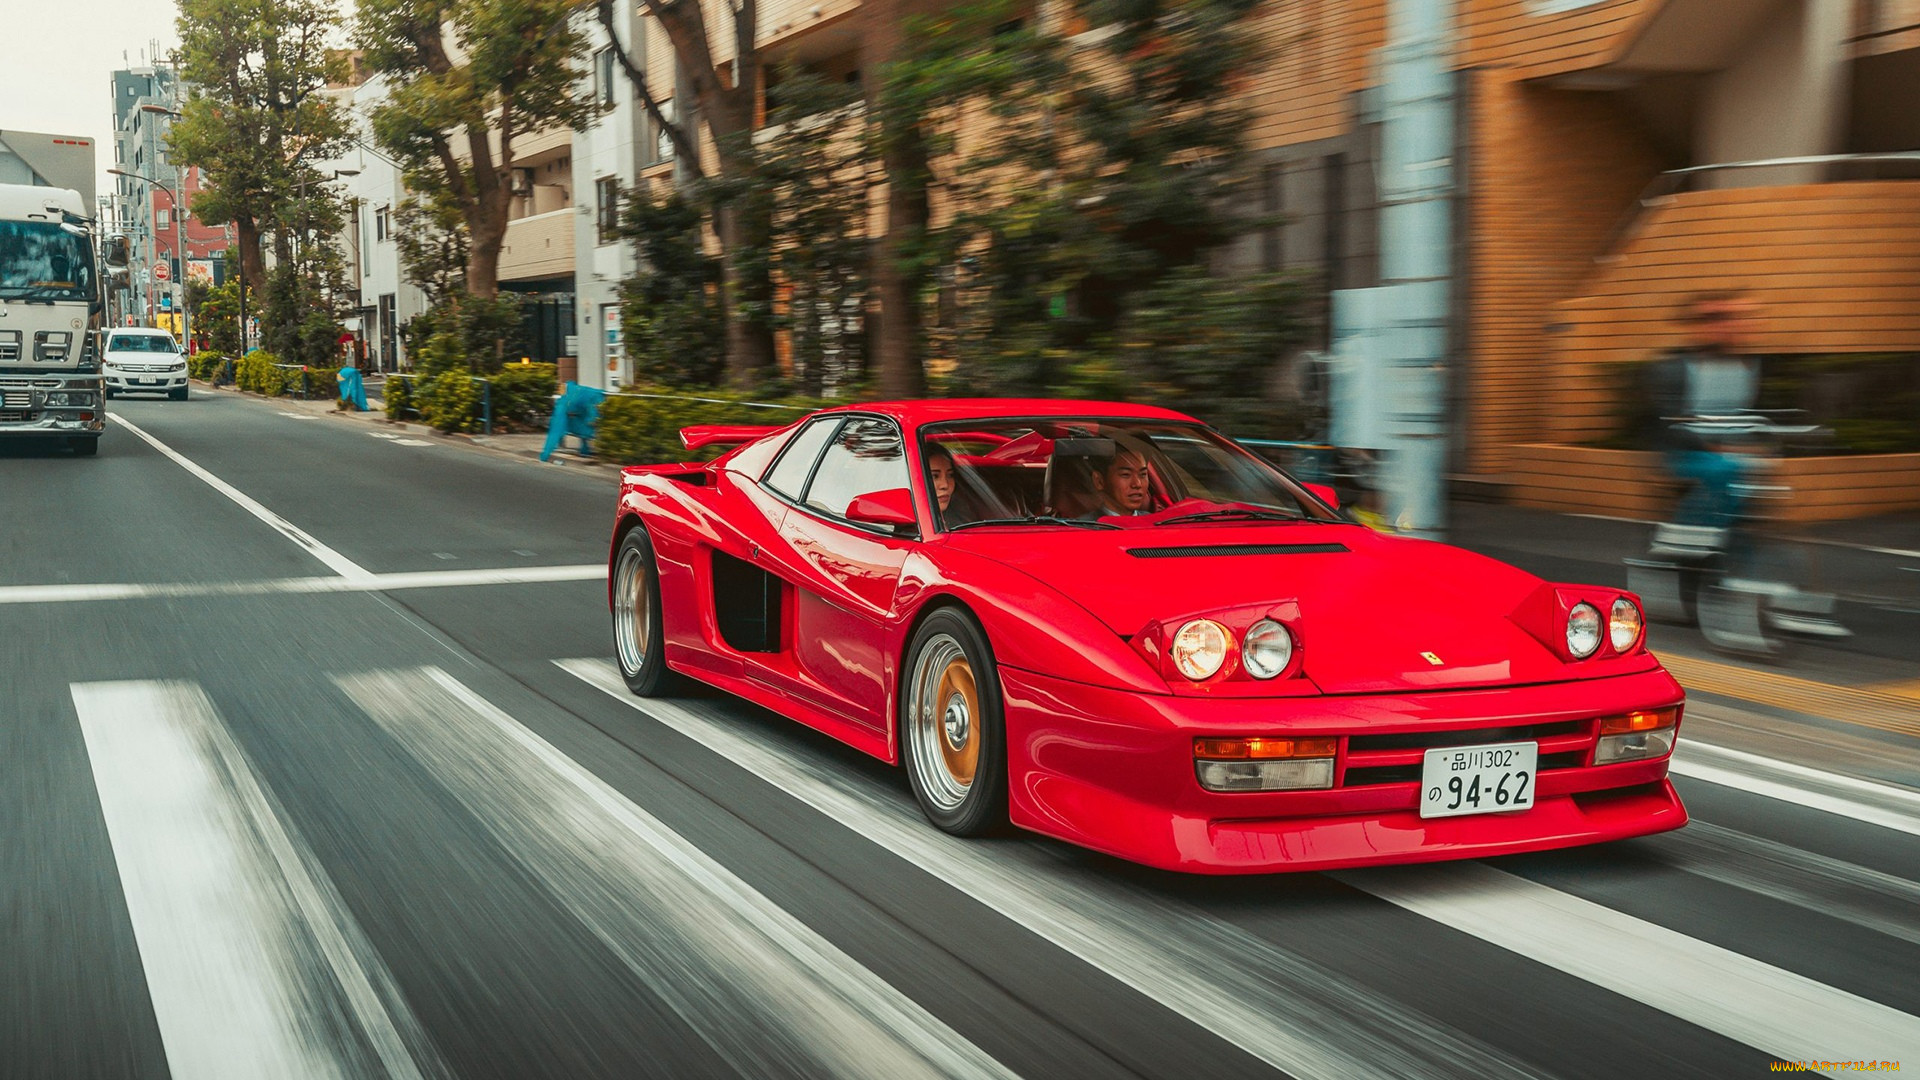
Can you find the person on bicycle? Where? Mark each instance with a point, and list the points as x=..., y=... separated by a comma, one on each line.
x=1711, y=375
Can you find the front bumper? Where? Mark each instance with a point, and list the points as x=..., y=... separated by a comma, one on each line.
x=1113, y=770
x=145, y=382
x=24, y=412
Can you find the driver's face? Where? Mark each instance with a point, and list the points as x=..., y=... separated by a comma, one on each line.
x=940, y=467
x=1125, y=481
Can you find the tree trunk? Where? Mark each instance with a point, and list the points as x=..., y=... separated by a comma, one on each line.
x=253, y=269
x=487, y=221
x=897, y=347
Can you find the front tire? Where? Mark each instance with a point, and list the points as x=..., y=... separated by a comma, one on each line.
x=638, y=643
x=178, y=394
x=87, y=447
x=953, y=731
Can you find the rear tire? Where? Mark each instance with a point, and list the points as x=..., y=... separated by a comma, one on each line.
x=953, y=734
x=638, y=643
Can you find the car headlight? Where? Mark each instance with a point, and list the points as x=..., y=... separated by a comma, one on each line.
x=1268, y=649
x=1583, y=630
x=1624, y=624
x=1200, y=648
x=69, y=399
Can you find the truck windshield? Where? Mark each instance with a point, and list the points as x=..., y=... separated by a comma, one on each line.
x=39, y=260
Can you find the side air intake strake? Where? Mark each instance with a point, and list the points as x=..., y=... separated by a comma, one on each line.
x=1191, y=551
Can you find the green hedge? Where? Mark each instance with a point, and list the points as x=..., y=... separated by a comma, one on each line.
x=646, y=431
x=398, y=396
x=259, y=372
x=450, y=402
x=453, y=401
x=205, y=365
x=523, y=396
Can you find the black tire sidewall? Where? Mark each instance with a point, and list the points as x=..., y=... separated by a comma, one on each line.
x=984, y=810
x=653, y=676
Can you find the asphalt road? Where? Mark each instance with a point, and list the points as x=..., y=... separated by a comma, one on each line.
x=312, y=763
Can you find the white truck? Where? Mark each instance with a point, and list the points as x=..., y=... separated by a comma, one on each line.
x=51, y=309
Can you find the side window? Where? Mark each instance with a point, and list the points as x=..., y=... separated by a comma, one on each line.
x=864, y=457
x=789, y=475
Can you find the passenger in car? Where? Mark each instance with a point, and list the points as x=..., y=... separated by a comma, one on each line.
x=1122, y=485
x=940, y=473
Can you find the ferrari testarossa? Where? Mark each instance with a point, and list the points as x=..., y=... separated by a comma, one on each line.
x=1112, y=625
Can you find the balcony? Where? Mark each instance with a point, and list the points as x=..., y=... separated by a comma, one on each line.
x=538, y=247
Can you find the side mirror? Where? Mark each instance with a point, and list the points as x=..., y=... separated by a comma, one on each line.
x=118, y=251
x=1326, y=494
x=892, y=508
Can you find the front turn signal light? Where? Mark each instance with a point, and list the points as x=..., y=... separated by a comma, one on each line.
x=1265, y=763
x=1636, y=736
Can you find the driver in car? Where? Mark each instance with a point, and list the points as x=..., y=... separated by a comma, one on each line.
x=1122, y=485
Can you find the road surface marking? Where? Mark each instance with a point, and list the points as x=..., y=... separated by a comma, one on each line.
x=335, y=561
x=382, y=435
x=1773, y=1010
x=1867, y=898
x=417, y=579
x=1298, y=1016
x=1862, y=800
x=413, y=442
x=300, y=415
x=1864, y=706
x=249, y=953
x=769, y=994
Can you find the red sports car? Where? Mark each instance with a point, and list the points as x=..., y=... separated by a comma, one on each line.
x=1110, y=624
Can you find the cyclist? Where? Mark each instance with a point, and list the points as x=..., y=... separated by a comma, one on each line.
x=1711, y=375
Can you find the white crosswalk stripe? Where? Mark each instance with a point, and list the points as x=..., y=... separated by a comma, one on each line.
x=249, y=953
x=769, y=994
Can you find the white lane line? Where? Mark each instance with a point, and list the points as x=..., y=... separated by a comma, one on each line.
x=768, y=993
x=299, y=416
x=382, y=435
x=334, y=561
x=413, y=442
x=1867, y=898
x=1790, y=1016
x=254, y=964
x=1862, y=800
x=418, y=579
x=1298, y=1016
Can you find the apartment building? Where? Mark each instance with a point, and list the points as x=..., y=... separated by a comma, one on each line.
x=143, y=202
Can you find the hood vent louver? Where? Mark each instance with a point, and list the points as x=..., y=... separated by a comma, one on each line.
x=1190, y=551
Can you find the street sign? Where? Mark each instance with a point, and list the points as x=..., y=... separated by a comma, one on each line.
x=162, y=271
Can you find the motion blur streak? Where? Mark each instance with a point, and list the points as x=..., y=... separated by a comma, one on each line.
x=415, y=579
x=1294, y=1014
x=765, y=991
x=1784, y=1014
x=254, y=965
x=1866, y=898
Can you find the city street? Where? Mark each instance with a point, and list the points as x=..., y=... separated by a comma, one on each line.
x=314, y=762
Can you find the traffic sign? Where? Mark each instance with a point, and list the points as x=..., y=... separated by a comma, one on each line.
x=162, y=271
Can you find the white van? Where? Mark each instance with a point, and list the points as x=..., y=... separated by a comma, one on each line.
x=144, y=361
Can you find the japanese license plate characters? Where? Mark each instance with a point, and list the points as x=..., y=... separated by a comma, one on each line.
x=1489, y=779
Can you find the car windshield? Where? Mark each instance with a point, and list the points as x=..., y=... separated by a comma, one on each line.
x=1116, y=472
x=159, y=343
x=40, y=260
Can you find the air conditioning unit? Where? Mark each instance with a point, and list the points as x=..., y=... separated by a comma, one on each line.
x=522, y=183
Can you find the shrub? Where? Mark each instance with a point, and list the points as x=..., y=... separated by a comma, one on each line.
x=256, y=373
x=646, y=430
x=399, y=396
x=451, y=402
x=523, y=396
x=206, y=364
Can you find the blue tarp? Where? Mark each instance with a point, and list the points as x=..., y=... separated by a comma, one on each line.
x=353, y=388
x=574, y=413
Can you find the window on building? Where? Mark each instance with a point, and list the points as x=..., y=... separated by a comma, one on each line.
x=663, y=142
x=606, y=192
x=162, y=219
x=382, y=223
x=603, y=77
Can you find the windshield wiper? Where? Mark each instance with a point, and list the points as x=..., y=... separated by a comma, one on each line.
x=1037, y=520
x=1232, y=515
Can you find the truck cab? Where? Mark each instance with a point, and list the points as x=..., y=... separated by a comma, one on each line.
x=50, y=311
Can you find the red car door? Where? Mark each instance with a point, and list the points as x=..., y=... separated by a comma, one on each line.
x=847, y=572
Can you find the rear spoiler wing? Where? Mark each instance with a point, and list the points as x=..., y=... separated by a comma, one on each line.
x=700, y=436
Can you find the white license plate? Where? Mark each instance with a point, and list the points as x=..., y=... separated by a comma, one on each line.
x=1489, y=779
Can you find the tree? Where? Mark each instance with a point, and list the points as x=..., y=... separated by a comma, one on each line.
x=468, y=78
x=257, y=121
x=432, y=238
x=726, y=96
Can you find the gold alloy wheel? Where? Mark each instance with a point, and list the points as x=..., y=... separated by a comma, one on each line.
x=944, y=721
x=632, y=610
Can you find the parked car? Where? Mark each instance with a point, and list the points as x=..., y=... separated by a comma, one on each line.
x=143, y=361
x=1112, y=625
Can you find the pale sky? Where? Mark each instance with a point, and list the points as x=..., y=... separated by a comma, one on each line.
x=57, y=74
